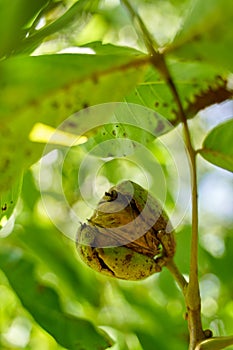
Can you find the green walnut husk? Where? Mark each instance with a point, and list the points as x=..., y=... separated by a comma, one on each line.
x=129, y=236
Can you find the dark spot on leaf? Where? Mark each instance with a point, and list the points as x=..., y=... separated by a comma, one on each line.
x=95, y=79
x=165, y=104
x=117, y=126
x=41, y=288
x=85, y=105
x=124, y=134
x=55, y=104
x=4, y=208
x=114, y=132
x=156, y=104
x=197, y=37
x=33, y=102
x=28, y=152
x=72, y=124
x=6, y=163
x=159, y=127
x=11, y=202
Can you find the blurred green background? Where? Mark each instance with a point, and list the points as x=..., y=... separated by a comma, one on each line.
x=138, y=315
x=43, y=283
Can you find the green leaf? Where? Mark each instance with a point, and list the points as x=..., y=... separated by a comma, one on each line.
x=151, y=341
x=207, y=34
x=117, y=140
x=48, y=89
x=182, y=254
x=199, y=85
x=54, y=251
x=130, y=125
x=121, y=138
x=217, y=147
x=44, y=305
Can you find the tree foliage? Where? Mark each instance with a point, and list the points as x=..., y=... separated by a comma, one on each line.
x=63, y=58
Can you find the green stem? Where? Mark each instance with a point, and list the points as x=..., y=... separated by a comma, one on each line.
x=149, y=42
x=192, y=295
x=192, y=291
x=156, y=58
x=181, y=281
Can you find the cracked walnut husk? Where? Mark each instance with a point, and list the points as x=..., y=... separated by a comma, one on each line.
x=129, y=236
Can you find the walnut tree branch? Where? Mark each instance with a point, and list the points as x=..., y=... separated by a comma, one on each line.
x=192, y=292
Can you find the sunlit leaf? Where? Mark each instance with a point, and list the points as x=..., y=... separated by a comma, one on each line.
x=48, y=89
x=217, y=147
x=109, y=49
x=130, y=124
